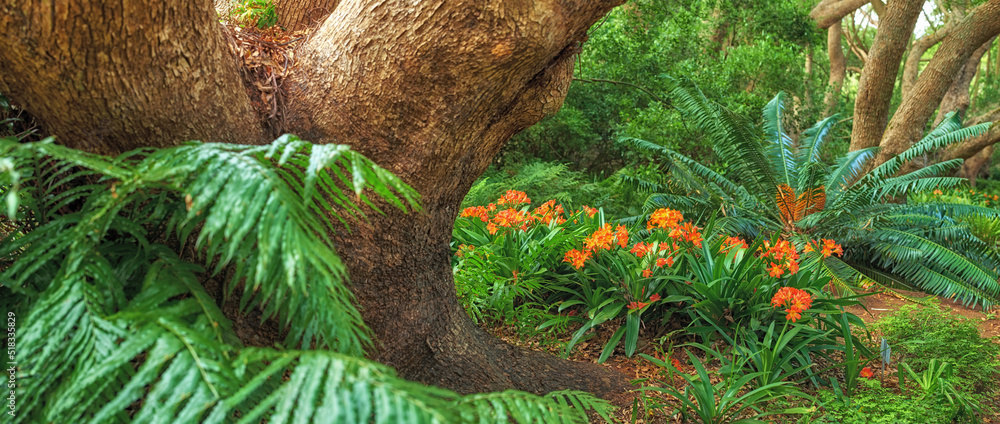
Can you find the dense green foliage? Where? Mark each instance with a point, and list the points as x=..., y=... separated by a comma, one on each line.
x=96, y=262
x=775, y=185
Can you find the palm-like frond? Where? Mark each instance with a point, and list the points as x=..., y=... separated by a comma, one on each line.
x=120, y=329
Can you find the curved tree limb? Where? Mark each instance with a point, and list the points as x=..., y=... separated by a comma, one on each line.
x=912, y=66
x=910, y=119
x=829, y=12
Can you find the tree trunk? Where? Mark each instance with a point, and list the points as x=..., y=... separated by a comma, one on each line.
x=957, y=98
x=838, y=68
x=111, y=76
x=429, y=90
x=301, y=14
x=907, y=125
x=436, y=113
x=878, y=78
x=829, y=12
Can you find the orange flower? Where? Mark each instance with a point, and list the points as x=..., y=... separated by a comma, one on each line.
x=654, y=297
x=830, y=247
x=640, y=249
x=513, y=198
x=509, y=218
x=675, y=363
x=938, y=192
x=776, y=270
x=647, y=273
x=492, y=228
x=589, y=210
x=636, y=305
x=664, y=218
x=866, y=372
x=621, y=235
x=576, y=258
x=732, y=242
x=796, y=299
x=475, y=211
x=600, y=239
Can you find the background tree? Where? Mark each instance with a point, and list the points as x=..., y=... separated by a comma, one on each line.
x=430, y=91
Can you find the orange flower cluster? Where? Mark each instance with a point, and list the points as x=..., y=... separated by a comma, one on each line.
x=640, y=305
x=589, y=210
x=687, y=232
x=476, y=212
x=547, y=212
x=600, y=239
x=733, y=242
x=783, y=257
x=827, y=247
x=668, y=261
x=640, y=249
x=664, y=218
x=621, y=235
x=512, y=217
x=576, y=258
x=513, y=198
x=795, y=299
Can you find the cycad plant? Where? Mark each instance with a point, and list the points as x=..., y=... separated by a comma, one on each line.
x=777, y=186
x=113, y=323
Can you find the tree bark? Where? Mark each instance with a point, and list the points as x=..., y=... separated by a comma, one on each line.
x=974, y=165
x=957, y=98
x=838, y=68
x=110, y=76
x=911, y=68
x=429, y=90
x=829, y=12
x=907, y=125
x=435, y=105
x=302, y=14
x=878, y=78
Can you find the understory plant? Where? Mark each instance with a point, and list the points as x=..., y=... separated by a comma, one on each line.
x=774, y=185
x=104, y=258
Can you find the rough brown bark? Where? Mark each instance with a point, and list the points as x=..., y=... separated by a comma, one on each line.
x=434, y=105
x=878, y=78
x=301, y=14
x=957, y=97
x=109, y=76
x=838, y=68
x=912, y=66
x=829, y=12
x=974, y=165
x=907, y=125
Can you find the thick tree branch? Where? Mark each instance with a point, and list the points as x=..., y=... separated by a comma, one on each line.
x=912, y=66
x=99, y=75
x=907, y=125
x=829, y=12
x=878, y=78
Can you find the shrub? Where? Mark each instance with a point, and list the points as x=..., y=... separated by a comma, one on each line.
x=921, y=334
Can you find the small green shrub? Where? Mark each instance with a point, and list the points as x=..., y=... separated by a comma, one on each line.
x=874, y=404
x=920, y=334
x=255, y=12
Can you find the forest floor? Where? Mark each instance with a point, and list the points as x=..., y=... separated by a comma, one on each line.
x=642, y=372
